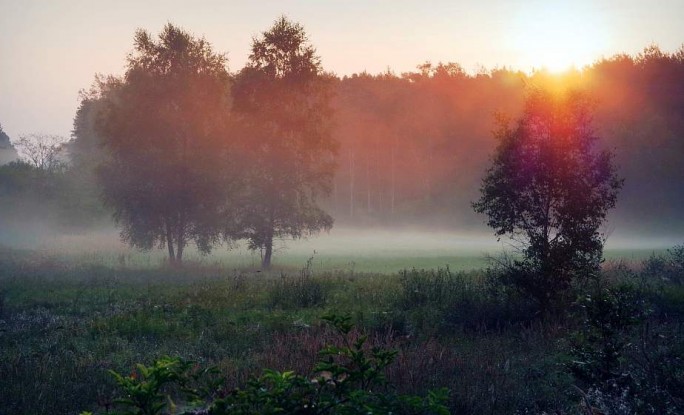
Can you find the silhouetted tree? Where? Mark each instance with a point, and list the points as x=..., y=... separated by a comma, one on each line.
x=164, y=128
x=283, y=99
x=549, y=189
x=7, y=151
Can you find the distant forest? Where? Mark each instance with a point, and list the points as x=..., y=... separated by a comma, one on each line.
x=413, y=147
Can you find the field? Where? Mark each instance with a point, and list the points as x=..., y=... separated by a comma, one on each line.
x=68, y=316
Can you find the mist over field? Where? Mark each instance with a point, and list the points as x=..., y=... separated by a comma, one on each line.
x=379, y=249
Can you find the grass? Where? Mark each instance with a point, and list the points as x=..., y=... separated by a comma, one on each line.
x=65, y=321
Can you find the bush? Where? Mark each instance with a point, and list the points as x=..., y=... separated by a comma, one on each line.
x=608, y=315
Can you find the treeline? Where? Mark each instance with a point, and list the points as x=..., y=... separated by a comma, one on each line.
x=414, y=146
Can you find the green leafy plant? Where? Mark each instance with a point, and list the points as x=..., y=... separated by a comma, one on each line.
x=149, y=390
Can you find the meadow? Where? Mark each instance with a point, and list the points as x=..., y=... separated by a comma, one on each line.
x=68, y=317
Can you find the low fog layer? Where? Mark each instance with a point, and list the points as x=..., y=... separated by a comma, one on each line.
x=343, y=248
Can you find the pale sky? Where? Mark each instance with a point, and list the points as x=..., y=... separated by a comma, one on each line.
x=51, y=49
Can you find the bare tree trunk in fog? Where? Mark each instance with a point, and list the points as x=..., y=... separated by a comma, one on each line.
x=169, y=242
x=393, y=184
x=335, y=207
x=266, y=261
x=179, y=250
x=268, y=253
x=180, y=241
x=351, y=183
x=268, y=244
x=368, y=184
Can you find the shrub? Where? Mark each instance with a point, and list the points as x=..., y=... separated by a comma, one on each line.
x=608, y=315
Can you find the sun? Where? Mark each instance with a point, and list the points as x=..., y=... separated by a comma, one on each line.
x=558, y=37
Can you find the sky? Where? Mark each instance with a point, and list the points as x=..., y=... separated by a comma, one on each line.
x=52, y=49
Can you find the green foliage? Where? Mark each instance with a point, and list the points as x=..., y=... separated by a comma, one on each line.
x=147, y=390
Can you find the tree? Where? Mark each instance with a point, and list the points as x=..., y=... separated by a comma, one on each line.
x=282, y=98
x=7, y=152
x=164, y=127
x=42, y=150
x=549, y=189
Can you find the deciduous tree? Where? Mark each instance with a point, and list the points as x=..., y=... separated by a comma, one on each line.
x=282, y=97
x=164, y=128
x=41, y=150
x=549, y=188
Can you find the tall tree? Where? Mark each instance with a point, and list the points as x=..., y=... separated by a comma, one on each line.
x=283, y=98
x=164, y=127
x=549, y=188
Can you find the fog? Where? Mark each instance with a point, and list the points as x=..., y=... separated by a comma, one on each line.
x=349, y=249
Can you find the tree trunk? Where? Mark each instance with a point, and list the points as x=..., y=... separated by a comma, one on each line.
x=169, y=244
x=351, y=184
x=268, y=243
x=368, y=184
x=392, y=189
x=179, y=253
x=180, y=241
x=268, y=252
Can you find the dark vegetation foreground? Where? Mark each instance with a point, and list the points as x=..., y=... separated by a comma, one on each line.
x=616, y=344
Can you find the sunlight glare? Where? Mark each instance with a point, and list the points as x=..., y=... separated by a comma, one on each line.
x=558, y=37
